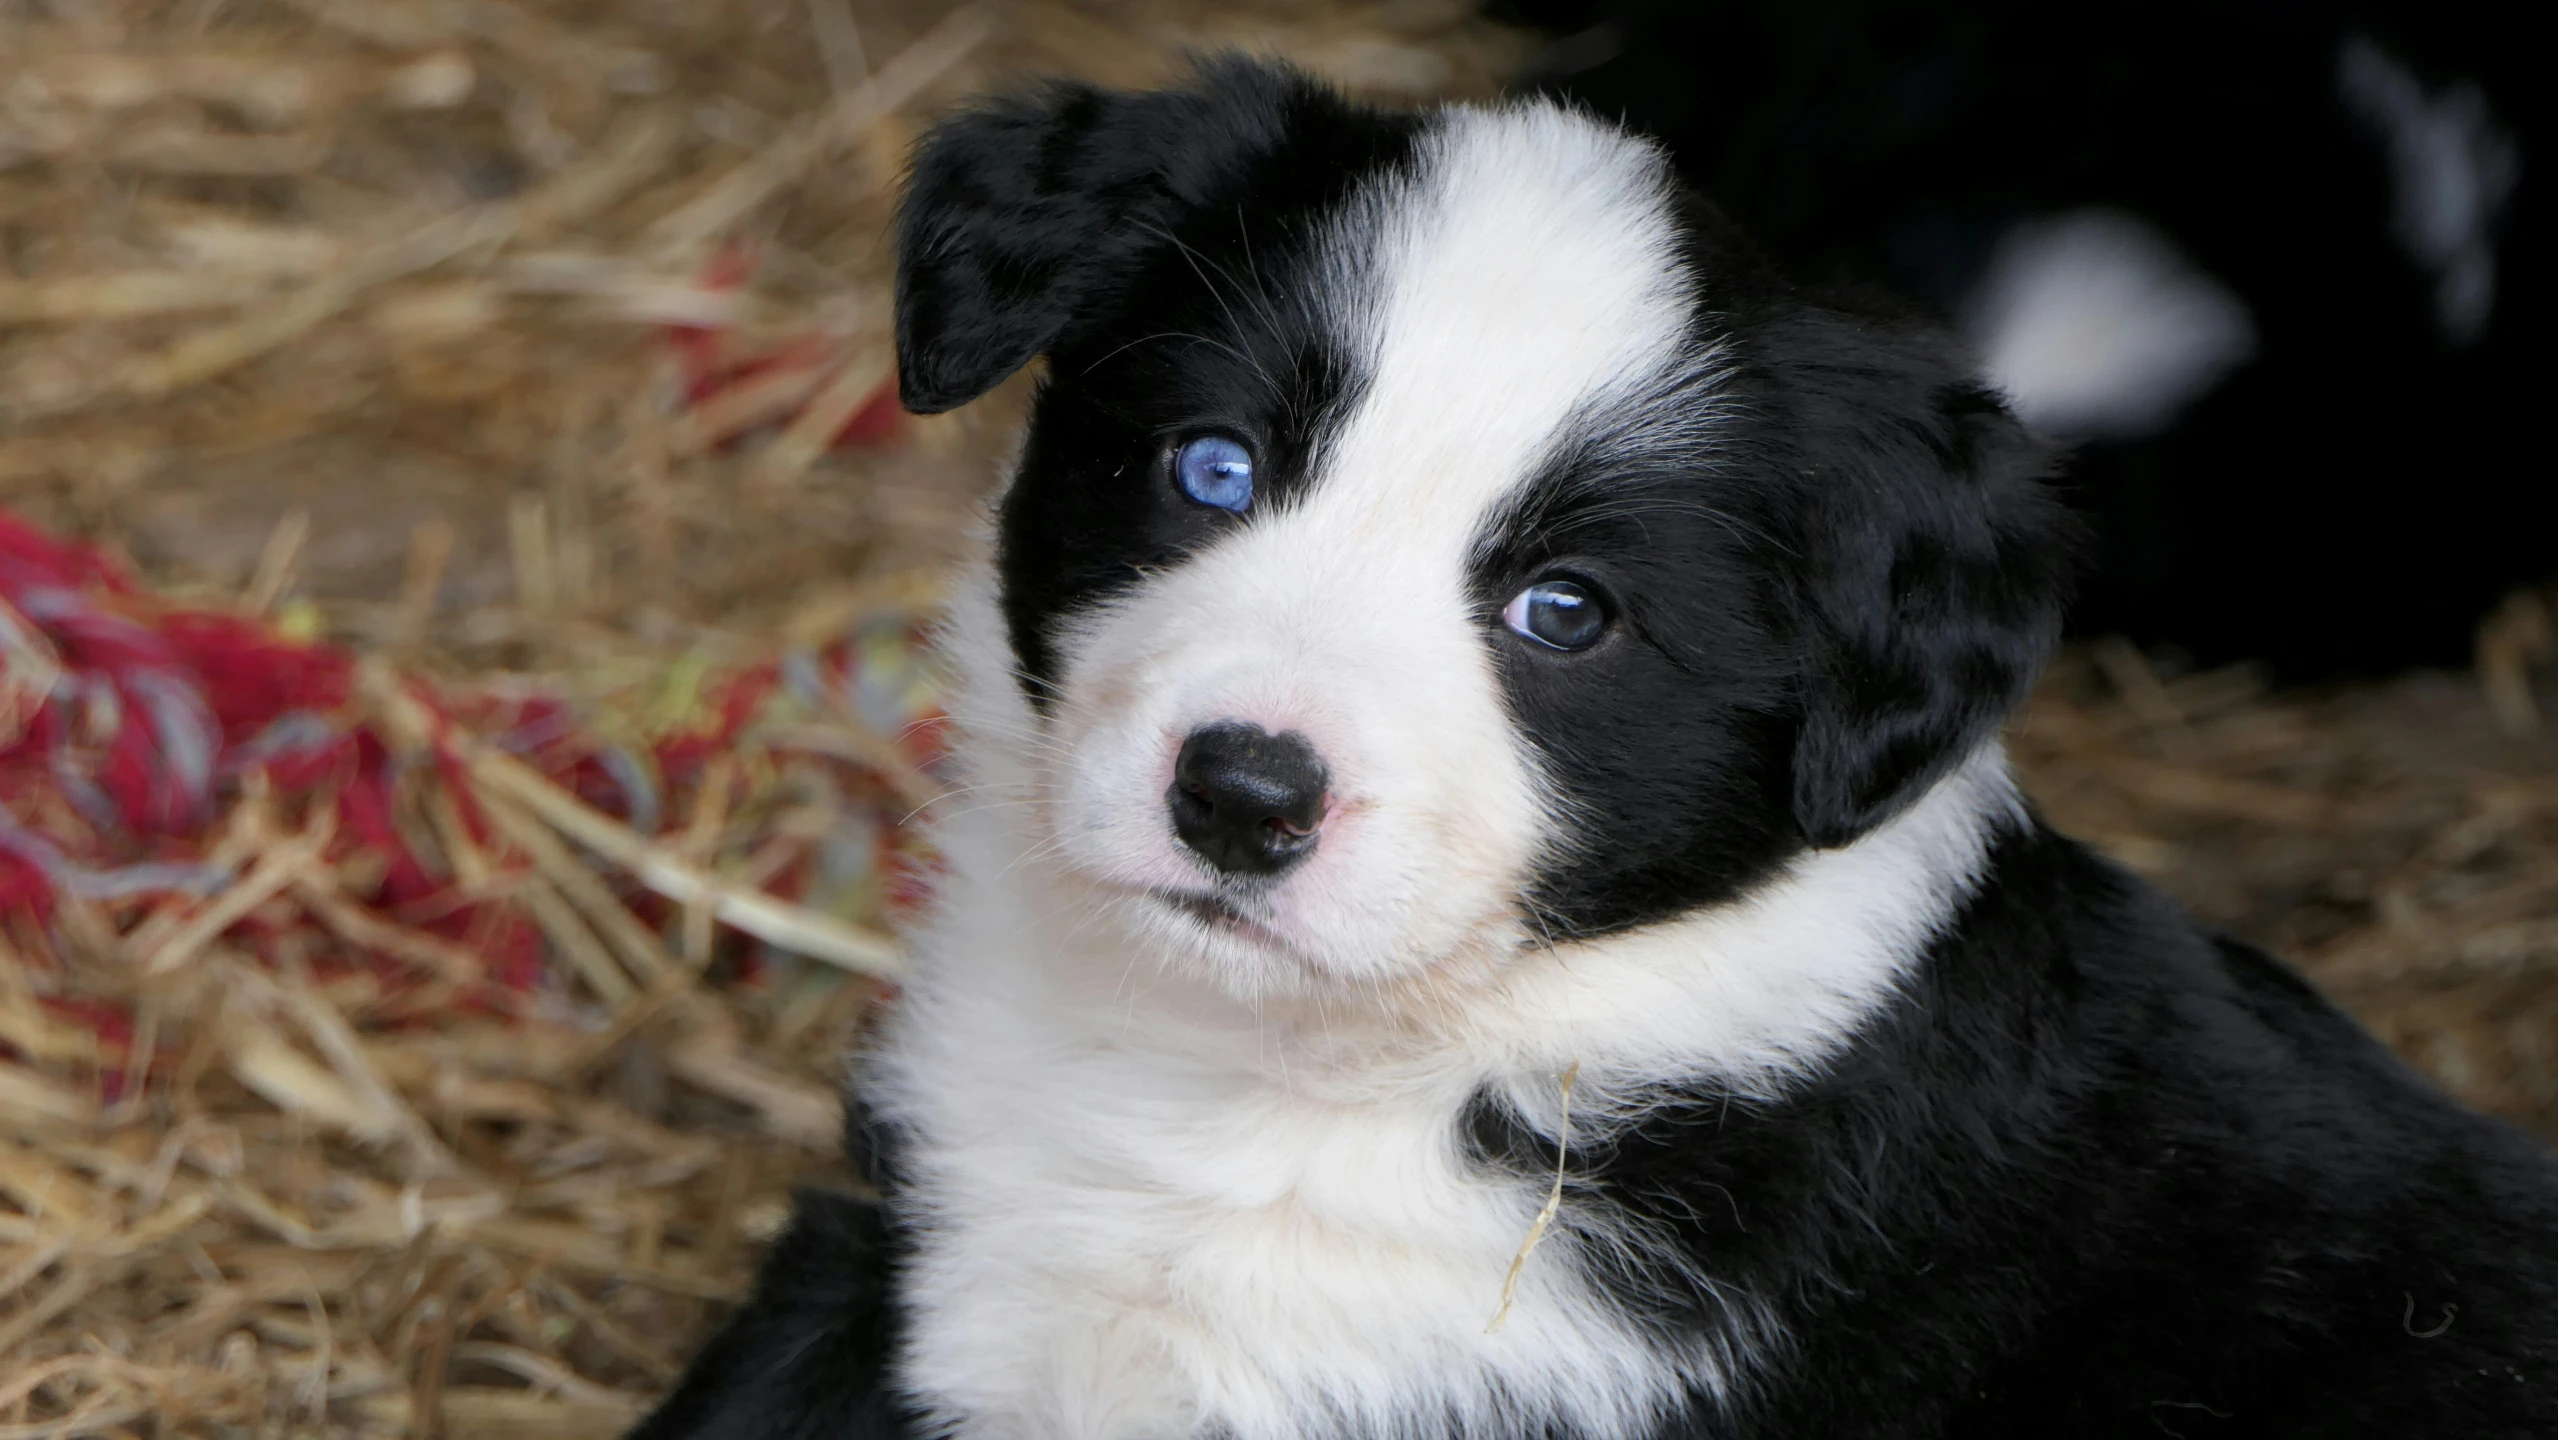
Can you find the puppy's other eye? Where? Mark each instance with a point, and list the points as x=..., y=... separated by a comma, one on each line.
x=1557, y=613
x=1215, y=470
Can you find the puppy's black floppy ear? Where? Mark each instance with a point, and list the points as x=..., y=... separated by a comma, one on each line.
x=1939, y=564
x=1025, y=214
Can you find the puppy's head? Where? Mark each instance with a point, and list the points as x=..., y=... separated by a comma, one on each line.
x=1435, y=536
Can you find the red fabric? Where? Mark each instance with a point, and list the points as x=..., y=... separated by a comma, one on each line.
x=710, y=361
x=114, y=779
x=250, y=676
x=24, y=889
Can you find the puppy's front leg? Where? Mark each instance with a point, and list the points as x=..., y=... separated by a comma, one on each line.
x=807, y=1359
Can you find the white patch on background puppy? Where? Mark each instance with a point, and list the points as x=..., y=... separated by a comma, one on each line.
x=2096, y=326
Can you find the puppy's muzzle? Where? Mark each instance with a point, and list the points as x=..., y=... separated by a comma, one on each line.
x=1246, y=801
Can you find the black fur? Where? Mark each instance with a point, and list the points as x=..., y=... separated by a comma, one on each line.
x=1022, y=215
x=2094, y=1172
x=807, y=1358
x=2098, y=1174
x=1830, y=595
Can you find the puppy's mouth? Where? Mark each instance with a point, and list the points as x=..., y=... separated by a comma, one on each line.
x=1212, y=911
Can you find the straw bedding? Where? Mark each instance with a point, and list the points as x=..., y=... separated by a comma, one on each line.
x=477, y=406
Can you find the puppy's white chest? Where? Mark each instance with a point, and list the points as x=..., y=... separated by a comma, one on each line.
x=1155, y=1245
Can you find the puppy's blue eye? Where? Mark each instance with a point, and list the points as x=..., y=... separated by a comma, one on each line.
x=1214, y=470
x=1557, y=613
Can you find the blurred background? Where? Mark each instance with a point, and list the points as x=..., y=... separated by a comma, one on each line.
x=461, y=567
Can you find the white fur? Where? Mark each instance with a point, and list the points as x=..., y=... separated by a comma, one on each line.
x=2097, y=326
x=2452, y=169
x=1169, y=1180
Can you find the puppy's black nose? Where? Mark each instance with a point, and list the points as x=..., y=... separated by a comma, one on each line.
x=1247, y=800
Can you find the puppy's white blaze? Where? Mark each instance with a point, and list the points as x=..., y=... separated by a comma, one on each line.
x=1530, y=271
x=1157, y=1197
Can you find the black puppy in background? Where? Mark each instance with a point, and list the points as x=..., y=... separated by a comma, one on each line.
x=1487, y=900
x=2341, y=483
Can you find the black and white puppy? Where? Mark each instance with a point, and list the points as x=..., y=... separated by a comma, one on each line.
x=1488, y=901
